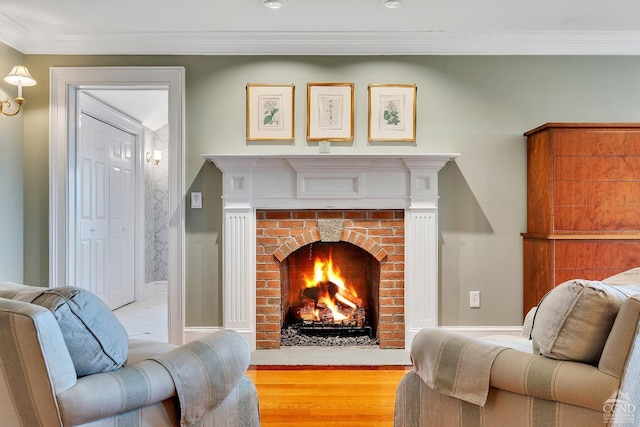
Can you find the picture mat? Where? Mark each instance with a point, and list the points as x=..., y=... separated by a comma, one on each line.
x=392, y=112
x=270, y=112
x=330, y=112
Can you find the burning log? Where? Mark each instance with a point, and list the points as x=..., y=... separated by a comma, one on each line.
x=327, y=300
x=322, y=288
x=333, y=292
x=312, y=311
x=306, y=311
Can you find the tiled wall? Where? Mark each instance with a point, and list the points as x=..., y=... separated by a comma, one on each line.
x=156, y=181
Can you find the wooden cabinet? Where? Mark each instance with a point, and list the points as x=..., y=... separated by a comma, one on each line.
x=583, y=204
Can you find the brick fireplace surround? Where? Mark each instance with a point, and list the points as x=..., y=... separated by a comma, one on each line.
x=280, y=233
x=261, y=193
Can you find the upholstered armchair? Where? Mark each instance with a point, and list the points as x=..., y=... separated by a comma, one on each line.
x=576, y=363
x=66, y=361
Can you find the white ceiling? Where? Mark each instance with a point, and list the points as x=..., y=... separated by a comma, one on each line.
x=149, y=107
x=351, y=27
x=313, y=27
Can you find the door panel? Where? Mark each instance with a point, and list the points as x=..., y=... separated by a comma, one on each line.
x=122, y=185
x=93, y=185
x=106, y=188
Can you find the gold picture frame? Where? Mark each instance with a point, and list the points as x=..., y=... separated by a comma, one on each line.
x=392, y=112
x=270, y=112
x=330, y=115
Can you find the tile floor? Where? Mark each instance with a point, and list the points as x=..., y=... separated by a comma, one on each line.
x=145, y=319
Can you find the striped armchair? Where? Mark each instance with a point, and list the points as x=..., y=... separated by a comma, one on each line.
x=201, y=383
x=515, y=386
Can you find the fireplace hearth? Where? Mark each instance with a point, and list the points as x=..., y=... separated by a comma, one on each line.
x=270, y=189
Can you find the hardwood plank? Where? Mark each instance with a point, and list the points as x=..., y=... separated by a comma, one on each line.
x=321, y=396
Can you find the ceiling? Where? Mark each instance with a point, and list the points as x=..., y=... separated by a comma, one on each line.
x=149, y=107
x=327, y=27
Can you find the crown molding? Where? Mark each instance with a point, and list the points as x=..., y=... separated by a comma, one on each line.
x=11, y=33
x=323, y=43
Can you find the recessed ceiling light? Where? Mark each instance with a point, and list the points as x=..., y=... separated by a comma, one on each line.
x=392, y=4
x=273, y=4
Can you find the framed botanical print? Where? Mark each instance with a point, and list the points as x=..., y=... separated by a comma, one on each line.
x=392, y=112
x=330, y=111
x=270, y=112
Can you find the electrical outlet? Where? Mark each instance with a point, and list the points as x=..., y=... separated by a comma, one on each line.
x=474, y=299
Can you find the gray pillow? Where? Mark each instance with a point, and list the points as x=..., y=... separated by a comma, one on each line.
x=573, y=321
x=96, y=340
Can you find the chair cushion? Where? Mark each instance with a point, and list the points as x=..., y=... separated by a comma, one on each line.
x=627, y=277
x=573, y=321
x=96, y=340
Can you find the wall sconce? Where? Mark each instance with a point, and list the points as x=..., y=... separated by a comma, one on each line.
x=19, y=76
x=154, y=157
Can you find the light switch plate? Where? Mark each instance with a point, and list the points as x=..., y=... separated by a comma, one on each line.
x=196, y=200
x=474, y=299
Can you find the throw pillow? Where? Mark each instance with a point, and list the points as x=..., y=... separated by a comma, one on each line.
x=573, y=321
x=96, y=340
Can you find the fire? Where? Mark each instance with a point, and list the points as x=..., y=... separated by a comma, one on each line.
x=328, y=289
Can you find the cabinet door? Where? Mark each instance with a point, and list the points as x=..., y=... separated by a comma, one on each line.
x=539, y=270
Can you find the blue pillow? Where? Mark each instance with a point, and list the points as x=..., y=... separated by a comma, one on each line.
x=96, y=340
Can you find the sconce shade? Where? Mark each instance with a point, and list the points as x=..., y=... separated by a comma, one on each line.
x=19, y=76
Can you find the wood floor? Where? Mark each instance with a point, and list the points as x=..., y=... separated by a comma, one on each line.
x=325, y=396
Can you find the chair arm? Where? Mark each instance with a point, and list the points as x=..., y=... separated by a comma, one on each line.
x=205, y=371
x=573, y=383
x=110, y=393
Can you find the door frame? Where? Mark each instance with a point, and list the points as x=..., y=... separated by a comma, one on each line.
x=65, y=84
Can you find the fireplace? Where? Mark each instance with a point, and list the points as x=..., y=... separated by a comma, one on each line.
x=329, y=293
x=367, y=248
x=351, y=199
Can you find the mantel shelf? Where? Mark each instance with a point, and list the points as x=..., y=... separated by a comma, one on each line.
x=330, y=162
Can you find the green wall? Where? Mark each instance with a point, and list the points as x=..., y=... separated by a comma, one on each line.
x=476, y=105
x=11, y=155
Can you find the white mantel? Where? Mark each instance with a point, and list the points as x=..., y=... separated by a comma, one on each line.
x=330, y=181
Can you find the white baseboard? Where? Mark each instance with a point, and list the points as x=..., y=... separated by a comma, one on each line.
x=155, y=288
x=483, y=331
x=193, y=333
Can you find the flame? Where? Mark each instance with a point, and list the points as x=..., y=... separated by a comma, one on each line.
x=324, y=272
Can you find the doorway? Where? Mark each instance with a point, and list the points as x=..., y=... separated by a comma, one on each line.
x=66, y=84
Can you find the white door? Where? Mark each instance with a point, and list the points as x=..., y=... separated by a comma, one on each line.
x=93, y=218
x=106, y=195
x=120, y=290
